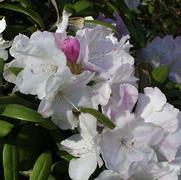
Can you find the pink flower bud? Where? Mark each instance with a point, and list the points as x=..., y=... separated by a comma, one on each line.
x=71, y=49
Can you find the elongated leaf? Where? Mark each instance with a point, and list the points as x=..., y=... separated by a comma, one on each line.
x=5, y=128
x=42, y=167
x=48, y=124
x=1, y=66
x=65, y=155
x=24, y=3
x=110, y=26
x=10, y=162
x=81, y=5
x=29, y=12
x=14, y=99
x=160, y=74
x=100, y=117
x=20, y=112
x=112, y=6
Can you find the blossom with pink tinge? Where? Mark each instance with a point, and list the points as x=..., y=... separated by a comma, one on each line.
x=71, y=49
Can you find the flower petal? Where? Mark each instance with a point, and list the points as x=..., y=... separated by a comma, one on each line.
x=81, y=168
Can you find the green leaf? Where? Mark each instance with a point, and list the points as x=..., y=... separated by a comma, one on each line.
x=81, y=5
x=5, y=128
x=48, y=124
x=110, y=26
x=112, y=6
x=20, y=112
x=29, y=12
x=24, y=3
x=14, y=99
x=65, y=155
x=14, y=70
x=42, y=167
x=160, y=74
x=1, y=66
x=100, y=117
x=10, y=162
x=151, y=9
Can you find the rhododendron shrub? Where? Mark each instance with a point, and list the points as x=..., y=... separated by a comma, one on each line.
x=71, y=102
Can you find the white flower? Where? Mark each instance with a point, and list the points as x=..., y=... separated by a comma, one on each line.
x=161, y=171
x=126, y=148
x=62, y=27
x=169, y=146
x=2, y=25
x=83, y=147
x=101, y=52
x=65, y=92
x=152, y=106
x=3, y=44
x=117, y=94
x=108, y=175
x=123, y=98
x=97, y=50
x=153, y=171
x=123, y=74
x=39, y=58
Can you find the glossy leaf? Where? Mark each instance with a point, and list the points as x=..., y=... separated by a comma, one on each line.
x=48, y=124
x=1, y=66
x=100, y=117
x=5, y=128
x=110, y=26
x=14, y=99
x=20, y=112
x=42, y=167
x=29, y=12
x=24, y=3
x=81, y=5
x=10, y=162
x=65, y=155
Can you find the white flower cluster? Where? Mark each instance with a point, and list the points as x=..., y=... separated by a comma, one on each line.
x=93, y=69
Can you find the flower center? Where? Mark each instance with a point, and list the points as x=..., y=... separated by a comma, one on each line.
x=75, y=68
x=126, y=142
